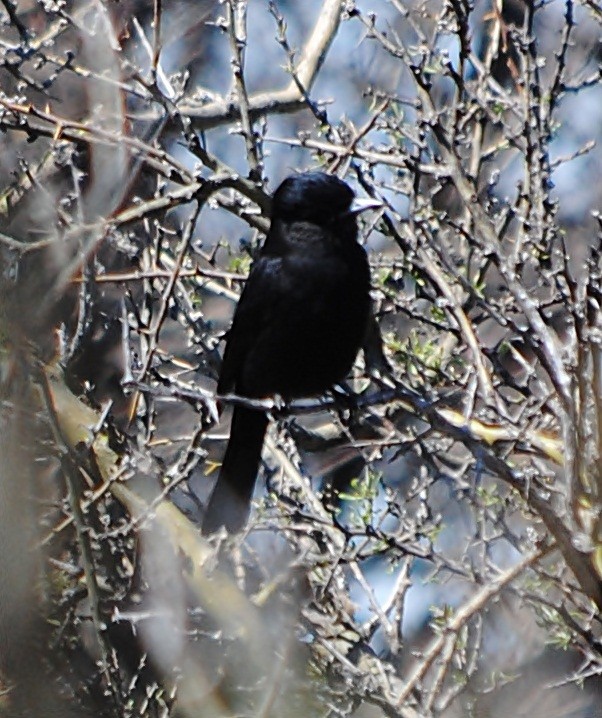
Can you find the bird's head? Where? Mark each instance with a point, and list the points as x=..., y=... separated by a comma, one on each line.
x=317, y=198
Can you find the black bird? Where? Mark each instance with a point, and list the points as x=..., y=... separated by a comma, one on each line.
x=299, y=324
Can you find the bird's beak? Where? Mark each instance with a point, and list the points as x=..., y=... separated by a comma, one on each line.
x=362, y=205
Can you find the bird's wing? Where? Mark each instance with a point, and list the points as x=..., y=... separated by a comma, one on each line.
x=257, y=304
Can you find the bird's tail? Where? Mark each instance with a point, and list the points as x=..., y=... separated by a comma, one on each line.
x=230, y=502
